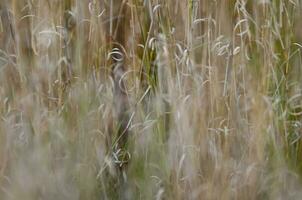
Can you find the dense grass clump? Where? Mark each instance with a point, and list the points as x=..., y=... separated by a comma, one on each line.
x=150, y=99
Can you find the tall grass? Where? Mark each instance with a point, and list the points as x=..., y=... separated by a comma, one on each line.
x=208, y=94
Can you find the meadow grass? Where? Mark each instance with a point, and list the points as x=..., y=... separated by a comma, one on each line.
x=150, y=99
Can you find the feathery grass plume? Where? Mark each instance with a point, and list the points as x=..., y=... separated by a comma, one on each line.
x=150, y=99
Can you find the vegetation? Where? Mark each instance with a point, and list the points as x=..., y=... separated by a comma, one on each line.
x=150, y=99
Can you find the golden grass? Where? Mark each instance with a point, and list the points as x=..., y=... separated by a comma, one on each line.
x=209, y=96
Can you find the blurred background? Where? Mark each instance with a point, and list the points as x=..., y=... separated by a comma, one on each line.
x=210, y=91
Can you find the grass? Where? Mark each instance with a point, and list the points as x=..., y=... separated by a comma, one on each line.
x=150, y=99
